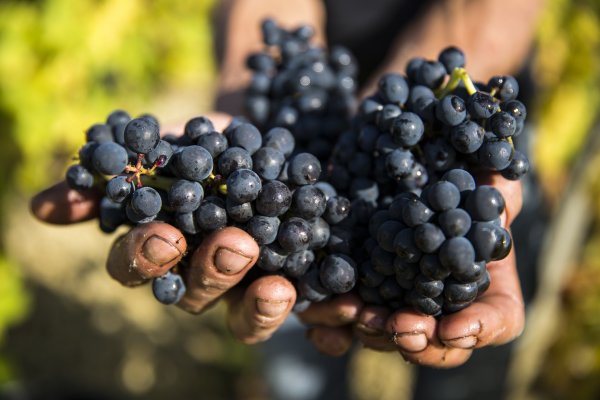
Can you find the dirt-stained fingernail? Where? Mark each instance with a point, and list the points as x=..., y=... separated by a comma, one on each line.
x=230, y=262
x=271, y=308
x=410, y=341
x=159, y=251
x=466, y=342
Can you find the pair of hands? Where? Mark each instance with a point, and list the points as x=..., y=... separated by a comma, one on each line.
x=256, y=311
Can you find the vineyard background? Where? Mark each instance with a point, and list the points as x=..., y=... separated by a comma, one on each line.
x=65, y=326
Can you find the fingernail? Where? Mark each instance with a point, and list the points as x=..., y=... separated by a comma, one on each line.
x=411, y=341
x=466, y=342
x=271, y=308
x=229, y=262
x=159, y=251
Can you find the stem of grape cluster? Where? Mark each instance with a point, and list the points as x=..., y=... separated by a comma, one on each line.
x=457, y=76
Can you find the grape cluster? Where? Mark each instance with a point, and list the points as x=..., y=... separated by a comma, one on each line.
x=205, y=180
x=406, y=165
x=302, y=87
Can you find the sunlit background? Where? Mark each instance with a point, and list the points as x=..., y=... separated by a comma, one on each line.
x=65, y=327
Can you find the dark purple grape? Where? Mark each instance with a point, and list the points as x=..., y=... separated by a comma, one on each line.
x=274, y=199
x=239, y=212
x=271, y=257
x=393, y=88
x=185, y=196
x=518, y=167
x=280, y=139
x=485, y=203
x=263, y=229
x=118, y=188
x=428, y=237
x=212, y=214
x=246, y=136
x=431, y=74
x=407, y=129
x=399, y=163
x=146, y=202
x=495, y=154
x=197, y=127
x=109, y=158
x=99, y=133
x=506, y=87
x=310, y=286
x=214, y=142
x=194, y=163
x=337, y=210
x=456, y=254
x=503, y=125
x=79, y=178
x=430, y=266
x=337, y=273
x=294, y=234
x=160, y=155
x=232, y=159
x=141, y=136
x=481, y=105
x=169, y=288
x=455, y=222
x=304, y=169
x=268, y=162
x=452, y=57
x=296, y=264
x=490, y=241
x=443, y=196
x=467, y=137
x=451, y=110
x=243, y=185
x=428, y=287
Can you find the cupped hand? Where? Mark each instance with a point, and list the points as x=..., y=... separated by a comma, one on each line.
x=214, y=268
x=496, y=317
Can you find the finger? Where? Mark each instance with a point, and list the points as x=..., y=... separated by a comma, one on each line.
x=262, y=308
x=496, y=317
x=59, y=204
x=331, y=341
x=217, y=265
x=438, y=356
x=415, y=336
x=370, y=328
x=147, y=251
x=412, y=332
x=340, y=310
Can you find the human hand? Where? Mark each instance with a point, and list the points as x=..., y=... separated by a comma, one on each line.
x=496, y=317
x=215, y=267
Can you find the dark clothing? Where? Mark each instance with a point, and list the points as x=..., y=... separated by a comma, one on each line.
x=369, y=27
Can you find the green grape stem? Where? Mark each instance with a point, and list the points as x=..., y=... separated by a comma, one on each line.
x=458, y=75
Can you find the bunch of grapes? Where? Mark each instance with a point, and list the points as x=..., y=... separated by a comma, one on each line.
x=407, y=165
x=302, y=87
x=205, y=180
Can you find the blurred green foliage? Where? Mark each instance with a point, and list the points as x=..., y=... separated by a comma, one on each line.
x=65, y=65
x=568, y=76
x=568, y=73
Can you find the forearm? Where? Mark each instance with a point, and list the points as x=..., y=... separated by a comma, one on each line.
x=495, y=35
x=239, y=34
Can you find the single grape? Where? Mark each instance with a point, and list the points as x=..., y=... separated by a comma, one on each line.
x=79, y=178
x=169, y=288
x=141, y=136
x=109, y=158
x=337, y=273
